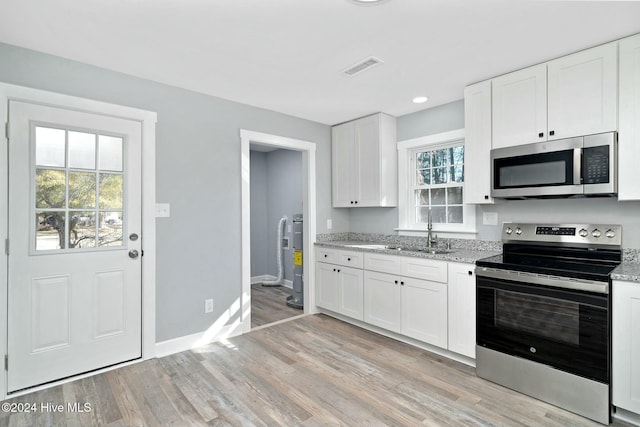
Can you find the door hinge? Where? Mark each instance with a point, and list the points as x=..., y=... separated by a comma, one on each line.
x=6, y=246
x=6, y=362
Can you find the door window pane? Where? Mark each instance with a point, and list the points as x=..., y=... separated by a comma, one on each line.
x=82, y=190
x=110, y=153
x=111, y=191
x=50, y=147
x=82, y=229
x=50, y=228
x=110, y=231
x=82, y=150
x=51, y=186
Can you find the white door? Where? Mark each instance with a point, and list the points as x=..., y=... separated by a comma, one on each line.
x=74, y=302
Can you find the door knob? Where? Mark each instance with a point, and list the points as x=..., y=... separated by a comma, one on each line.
x=133, y=254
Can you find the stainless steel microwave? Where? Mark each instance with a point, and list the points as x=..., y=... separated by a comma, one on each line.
x=580, y=166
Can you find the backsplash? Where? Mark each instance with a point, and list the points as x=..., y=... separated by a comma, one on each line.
x=631, y=255
x=411, y=241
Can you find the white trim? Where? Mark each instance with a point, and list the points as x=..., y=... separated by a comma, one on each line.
x=308, y=150
x=404, y=150
x=189, y=342
x=148, y=121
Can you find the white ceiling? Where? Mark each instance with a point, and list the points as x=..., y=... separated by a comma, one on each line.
x=287, y=55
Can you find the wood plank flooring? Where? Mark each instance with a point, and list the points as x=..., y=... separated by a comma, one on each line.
x=268, y=305
x=314, y=371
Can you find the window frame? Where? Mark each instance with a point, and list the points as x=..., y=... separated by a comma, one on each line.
x=406, y=177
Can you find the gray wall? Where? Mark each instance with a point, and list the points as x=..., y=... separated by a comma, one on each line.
x=281, y=187
x=198, y=173
x=588, y=210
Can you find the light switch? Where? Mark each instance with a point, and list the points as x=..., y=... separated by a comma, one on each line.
x=163, y=210
x=329, y=224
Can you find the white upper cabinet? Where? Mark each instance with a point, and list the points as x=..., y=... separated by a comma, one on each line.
x=582, y=93
x=365, y=162
x=520, y=107
x=629, y=131
x=477, y=143
x=570, y=96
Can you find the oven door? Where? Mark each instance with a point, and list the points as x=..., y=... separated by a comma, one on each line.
x=537, y=170
x=563, y=328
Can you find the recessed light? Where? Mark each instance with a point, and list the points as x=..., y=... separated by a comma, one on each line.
x=420, y=99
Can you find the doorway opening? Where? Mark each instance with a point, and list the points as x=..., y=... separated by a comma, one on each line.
x=289, y=160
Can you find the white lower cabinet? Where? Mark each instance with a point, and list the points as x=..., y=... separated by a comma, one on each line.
x=340, y=288
x=462, y=309
x=625, y=364
x=409, y=306
x=429, y=300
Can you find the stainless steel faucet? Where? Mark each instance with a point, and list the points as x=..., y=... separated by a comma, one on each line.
x=432, y=239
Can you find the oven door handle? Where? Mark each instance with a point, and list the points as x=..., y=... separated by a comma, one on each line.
x=544, y=280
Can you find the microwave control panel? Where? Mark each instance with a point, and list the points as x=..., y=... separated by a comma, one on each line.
x=595, y=165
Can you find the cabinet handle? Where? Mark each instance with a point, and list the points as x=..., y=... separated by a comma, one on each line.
x=486, y=197
x=402, y=283
x=325, y=255
x=351, y=202
x=541, y=134
x=395, y=281
x=553, y=132
x=338, y=270
x=334, y=269
x=356, y=202
x=470, y=273
x=348, y=259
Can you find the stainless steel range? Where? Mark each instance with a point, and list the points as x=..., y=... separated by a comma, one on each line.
x=544, y=314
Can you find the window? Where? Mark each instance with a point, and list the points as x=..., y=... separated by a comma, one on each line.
x=79, y=189
x=432, y=184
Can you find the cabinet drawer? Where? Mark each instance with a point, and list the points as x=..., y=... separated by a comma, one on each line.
x=350, y=259
x=327, y=255
x=391, y=264
x=426, y=269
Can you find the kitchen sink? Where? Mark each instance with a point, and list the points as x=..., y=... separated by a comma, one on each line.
x=368, y=246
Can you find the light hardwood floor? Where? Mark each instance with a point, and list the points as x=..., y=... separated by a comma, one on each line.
x=314, y=371
x=268, y=305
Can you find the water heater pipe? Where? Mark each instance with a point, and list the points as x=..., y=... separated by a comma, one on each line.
x=279, y=280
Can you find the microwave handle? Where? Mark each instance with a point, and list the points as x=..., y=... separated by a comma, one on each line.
x=577, y=166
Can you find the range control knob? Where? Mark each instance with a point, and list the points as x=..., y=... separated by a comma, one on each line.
x=610, y=233
x=583, y=232
x=518, y=231
x=596, y=233
x=508, y=230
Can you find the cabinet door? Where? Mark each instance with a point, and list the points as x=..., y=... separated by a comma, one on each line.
x=343, y=154
x=519, y=103
x=477, y=143
x=629, y=126
x=367, y=181
x=462, y=309
x=350, y=286
x=626, y=346
x=424, y=311
x=382, y=300
x=582, y=93
x=327, y=295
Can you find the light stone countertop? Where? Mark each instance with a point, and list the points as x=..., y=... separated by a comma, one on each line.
x=627, y=271
x=468, y=256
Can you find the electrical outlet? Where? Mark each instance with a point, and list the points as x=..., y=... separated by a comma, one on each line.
x=490, y=218
x=208, y=305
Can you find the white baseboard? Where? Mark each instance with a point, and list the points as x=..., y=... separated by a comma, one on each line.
x=188, y=342
x=627, y=416
x=268, y=277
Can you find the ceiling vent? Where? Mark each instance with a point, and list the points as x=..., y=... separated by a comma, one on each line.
x=361, y=66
